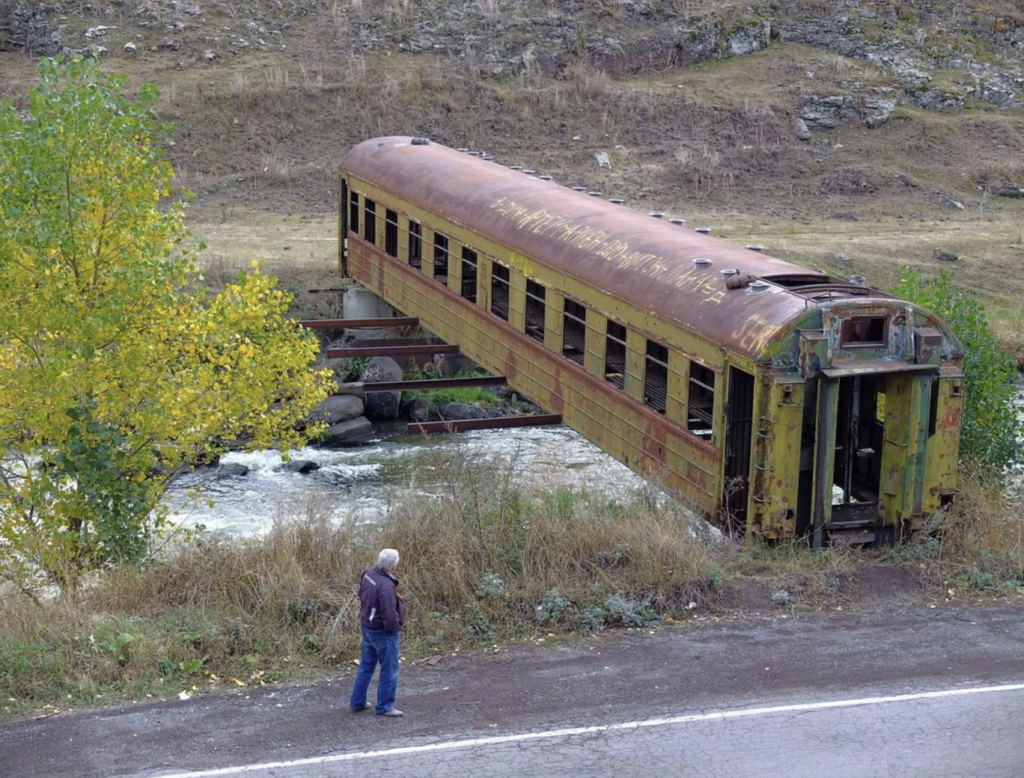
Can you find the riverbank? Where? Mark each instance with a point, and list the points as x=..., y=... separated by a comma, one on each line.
x=485, y=562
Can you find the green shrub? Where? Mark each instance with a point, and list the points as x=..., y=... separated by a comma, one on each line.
x=991, y=428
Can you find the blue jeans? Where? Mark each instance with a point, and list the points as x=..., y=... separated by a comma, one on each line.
x=378, y=647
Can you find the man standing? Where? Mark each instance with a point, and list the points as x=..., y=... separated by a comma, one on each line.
x=381, y=618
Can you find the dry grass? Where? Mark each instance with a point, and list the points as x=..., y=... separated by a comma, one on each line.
x=1010, y=334
x=485, y=561
x=978, y=543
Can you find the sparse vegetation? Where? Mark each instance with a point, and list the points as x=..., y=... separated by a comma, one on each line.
x=486, y=561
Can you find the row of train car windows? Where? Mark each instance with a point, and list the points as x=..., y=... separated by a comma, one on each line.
x=442, y=265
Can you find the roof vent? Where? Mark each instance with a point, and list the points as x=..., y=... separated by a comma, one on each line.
x=529, y=171
x=475, y=153
x=544, y=178
x=464, y=151
x=755, y=247
x=488, y=157
x=579, y=188
x=615, y=200
x=704, y=230
x=730, y=271
x=515, y=167
x=677, y=222
x=858, y=280
x=421, y=141
x=702, y=262
x=657, y=214
x=595, y=193
x=758, y=286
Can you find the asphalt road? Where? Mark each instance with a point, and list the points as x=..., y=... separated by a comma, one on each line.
x=917, y=691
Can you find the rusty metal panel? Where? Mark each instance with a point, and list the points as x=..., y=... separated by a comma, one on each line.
x=627, y=255
x=516, y=300
x=927, y=346
x=779, y=436
x=554, y=310
x=678, y=387
x=842, y=368
x=597, y=326
x=942, y=454
x=629, y=431
x=636, y=351
x=824, y=457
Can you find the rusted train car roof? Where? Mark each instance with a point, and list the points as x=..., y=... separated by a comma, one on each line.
x=642, y=260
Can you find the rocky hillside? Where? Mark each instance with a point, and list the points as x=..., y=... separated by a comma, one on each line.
x=787, y=112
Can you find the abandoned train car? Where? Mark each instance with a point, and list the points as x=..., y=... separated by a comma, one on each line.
x=777, y=400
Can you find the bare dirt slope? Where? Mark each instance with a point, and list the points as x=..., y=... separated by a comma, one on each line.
x=811, y=118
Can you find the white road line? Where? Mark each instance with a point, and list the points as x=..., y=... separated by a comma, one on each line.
x=570, y=732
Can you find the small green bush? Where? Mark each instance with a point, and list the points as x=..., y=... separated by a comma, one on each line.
x=992, y=430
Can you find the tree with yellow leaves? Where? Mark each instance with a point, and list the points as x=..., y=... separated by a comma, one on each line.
x=117, y=369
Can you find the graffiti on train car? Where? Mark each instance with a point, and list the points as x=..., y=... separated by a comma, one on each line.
x=615, y=250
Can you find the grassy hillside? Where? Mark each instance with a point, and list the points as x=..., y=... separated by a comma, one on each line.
x=267, y=96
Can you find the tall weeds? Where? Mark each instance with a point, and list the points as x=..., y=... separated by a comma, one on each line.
x=483, y=559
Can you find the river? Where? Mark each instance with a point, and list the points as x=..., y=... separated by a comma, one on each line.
x=360, y=483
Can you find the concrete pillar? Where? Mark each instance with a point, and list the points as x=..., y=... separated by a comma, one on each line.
x=359, y=302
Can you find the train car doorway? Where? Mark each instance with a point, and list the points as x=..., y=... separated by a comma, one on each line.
x=860, y=437
x=738, y=431
x=842, y=448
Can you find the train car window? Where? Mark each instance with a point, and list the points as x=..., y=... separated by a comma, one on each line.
x=353, y=213
x=535, y=294
x=391, y=232
x=700, y=412
x=656, y=377
x=370, y=226
x=499, y=291
x=865, y=331
x=469, y=268
x=415, y=245
x=615, y=355
x=440, y=258
x=574, y=332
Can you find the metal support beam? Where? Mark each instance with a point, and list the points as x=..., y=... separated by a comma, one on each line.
x=504, y=422
x=426, y=385
x=824, y=457
x=390, y=351
x=339, y=324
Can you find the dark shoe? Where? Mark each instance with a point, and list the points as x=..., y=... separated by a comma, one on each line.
x=393, y=713
x=365, y=706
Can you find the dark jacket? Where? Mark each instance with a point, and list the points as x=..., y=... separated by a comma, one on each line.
x=380, y=603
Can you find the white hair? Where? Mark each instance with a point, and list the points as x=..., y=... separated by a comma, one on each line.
x=387, y=559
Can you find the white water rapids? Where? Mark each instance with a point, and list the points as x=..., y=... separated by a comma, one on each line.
x=359, y=483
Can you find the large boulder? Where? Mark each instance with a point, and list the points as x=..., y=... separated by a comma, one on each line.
x=340, y=407
x=417, y=410
x=353, y=432
x=451, y=411
x=300, y=466
x=382, y=406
